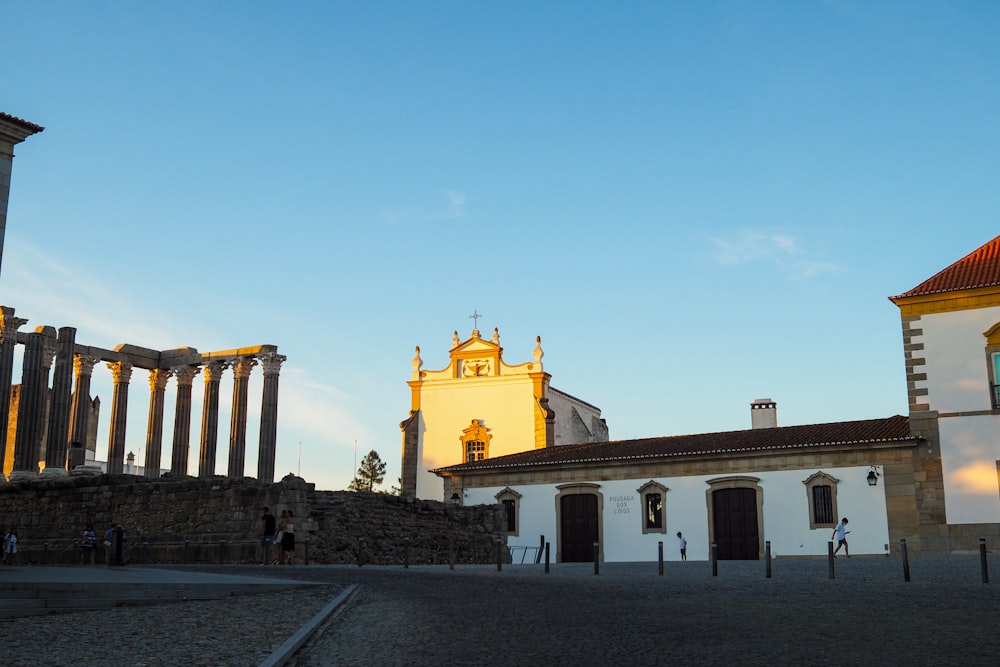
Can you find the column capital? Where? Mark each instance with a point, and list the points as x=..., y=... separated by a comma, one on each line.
x=84, y=364
x=213, y=370
x=270, y=362
x=158, y=379
x=242, y=367
x=185, y=374
x=121, y=370
x=9, y=324
x=49, y=350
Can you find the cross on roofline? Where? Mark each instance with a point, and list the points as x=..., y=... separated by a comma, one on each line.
x=475, y=318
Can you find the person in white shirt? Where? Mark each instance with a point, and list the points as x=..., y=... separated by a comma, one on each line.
x=840, y=532
x=684, y=546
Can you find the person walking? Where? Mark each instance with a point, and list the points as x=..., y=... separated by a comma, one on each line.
x=10, y=547
x=840, y=532
x=267, y=526
x=88, y=546
x=684, y=546
x=288, y=539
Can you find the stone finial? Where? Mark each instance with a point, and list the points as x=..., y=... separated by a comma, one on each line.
x=538, y=354
x=475, y=333
x=454, y=339
x=417, y=363
x=496, y=336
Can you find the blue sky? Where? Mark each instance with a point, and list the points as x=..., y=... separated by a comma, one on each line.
x=693, y=204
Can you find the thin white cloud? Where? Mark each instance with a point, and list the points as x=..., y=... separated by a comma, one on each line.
x=785, y=252
x=454, y=208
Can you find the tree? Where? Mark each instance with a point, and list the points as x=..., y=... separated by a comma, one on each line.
x=370, y=474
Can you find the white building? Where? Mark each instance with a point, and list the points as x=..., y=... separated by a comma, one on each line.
x=931, y=478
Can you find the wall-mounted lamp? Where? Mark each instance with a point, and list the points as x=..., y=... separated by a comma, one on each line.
x=873, y=476
x=455, y=500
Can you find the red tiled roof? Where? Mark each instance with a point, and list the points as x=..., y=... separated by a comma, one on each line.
x=980, y=268
x=20, y=121
x=890, y=429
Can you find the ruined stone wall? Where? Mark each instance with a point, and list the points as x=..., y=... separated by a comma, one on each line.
x=217, y=520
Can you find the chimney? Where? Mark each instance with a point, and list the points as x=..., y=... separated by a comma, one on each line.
x=763, y=413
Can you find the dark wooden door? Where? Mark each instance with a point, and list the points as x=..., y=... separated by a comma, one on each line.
x=734, y=515
x=578, y=527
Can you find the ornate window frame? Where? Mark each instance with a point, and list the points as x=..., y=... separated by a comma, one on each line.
x=821, y=479
x=992, y=336
x=646, y=493
x=511, y=500
x=475, y=433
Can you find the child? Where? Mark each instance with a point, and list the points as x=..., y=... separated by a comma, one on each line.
x=840, y=532
x=684, y=546
x=10, y=547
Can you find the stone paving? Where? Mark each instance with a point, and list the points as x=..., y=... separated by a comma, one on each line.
x=626, y=615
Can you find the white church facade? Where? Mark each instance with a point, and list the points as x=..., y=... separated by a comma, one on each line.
x=931, y=477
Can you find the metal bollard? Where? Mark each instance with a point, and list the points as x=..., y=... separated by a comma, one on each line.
x=187, y=542
x=906, y=560
x=715, y=559
x=499, y=558
x=767, y=559
x=451, y=555
x=222, y=552
x=45, y=553
x=982, y=560
x=145, y=552
x=829, y=557
x=597, y=558
x=659, y=547
x=305, y=551
x=406, y=552
x=361, y=550
x=546, y=558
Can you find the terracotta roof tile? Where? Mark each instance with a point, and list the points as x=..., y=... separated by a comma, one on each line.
x=862, y=433
x=20, y=121
x=980, y=268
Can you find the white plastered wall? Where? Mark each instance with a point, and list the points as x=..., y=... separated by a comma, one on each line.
x=785, y=507
x=958, y=383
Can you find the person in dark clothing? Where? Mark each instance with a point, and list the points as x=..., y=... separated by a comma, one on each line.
x=267, y=524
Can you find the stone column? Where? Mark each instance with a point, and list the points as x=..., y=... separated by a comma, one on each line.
x=270, y=363
x=8, y=340
x=28, y=409
x=59, y=408
x=154, y=427
x=122, y=371
x=210, y=419
x=238, y=425
x=48, y=356
x=182, y=419
x=13, y=131
x=83, y=366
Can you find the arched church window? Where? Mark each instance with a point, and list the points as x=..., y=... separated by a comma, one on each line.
x=654, y=507
x=475, y=441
